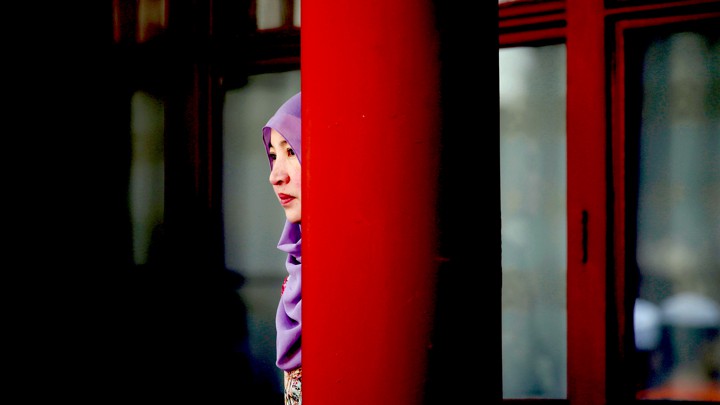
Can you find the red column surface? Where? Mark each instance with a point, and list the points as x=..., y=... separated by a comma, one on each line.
x=586, y=184
x=370, y=167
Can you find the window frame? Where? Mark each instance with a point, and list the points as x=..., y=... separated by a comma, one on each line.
x=623, y=230
x=597, y=285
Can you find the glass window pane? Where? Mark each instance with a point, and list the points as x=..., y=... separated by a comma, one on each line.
x=152, y=19
x=296, y=13
x=677, y=311
x=252, y=217
x=270, y=14
x=533, y=194
x=147, y=172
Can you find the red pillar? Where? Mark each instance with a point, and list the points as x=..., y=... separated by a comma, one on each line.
x=371, y=142
x=586, y=184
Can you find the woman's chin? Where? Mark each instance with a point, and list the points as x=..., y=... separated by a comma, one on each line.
x=292, y=217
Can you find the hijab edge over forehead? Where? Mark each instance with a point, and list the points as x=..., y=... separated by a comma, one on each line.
x=288, y=123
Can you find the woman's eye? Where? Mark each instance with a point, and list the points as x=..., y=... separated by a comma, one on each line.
x=291, y=152
x=272, y=156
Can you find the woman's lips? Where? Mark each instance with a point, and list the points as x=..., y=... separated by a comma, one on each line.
x=285, y=199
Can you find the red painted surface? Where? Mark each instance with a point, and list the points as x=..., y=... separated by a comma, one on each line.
x=586, y=185
x=371, y=150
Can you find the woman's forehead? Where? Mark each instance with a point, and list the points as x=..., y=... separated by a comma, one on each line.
x=276, y=139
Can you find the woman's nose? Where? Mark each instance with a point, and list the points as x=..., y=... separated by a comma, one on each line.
x=278, y=174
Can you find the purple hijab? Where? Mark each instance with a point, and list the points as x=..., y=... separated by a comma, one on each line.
x=288, y=319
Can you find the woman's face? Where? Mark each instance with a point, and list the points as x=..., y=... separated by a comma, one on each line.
x=285, y=175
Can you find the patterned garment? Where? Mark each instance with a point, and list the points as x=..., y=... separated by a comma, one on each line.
x=293, y=387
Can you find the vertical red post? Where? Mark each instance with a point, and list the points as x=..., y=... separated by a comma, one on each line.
x=586, y=143
x=371, y=142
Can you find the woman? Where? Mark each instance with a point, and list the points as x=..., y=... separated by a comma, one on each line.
x=281, y=136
